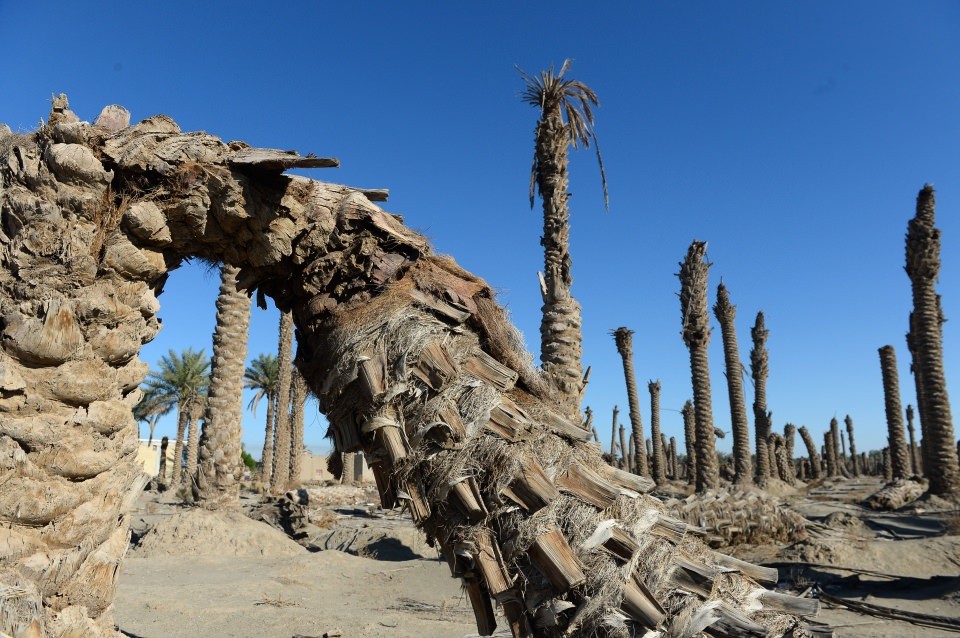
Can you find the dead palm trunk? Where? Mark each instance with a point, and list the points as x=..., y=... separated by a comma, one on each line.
x=914, y=461
x=829, y=452
x=696, y=335
x=854, y=459
x=625, y=450
x=917, y=379
x=266, y=460
x=899, y=461
x=936, y=423
x=835, y=446
x=281, y=452
x=298, y=397
x=399, y=371
x=162, y=473
x=726, y=314
x=624, y=339
x=613, y=436
x=183, y=420
x=659, y=460
x=690, y=440
x=789, y=438
x=218, y=480
x=815, y=468
x=759, y=364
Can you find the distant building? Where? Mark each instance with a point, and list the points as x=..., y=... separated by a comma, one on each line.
x=148, y=455
x=314, y=469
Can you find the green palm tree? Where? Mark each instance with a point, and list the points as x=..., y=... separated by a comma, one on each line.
x=181, y=380
x=263, y=376
x=566, y=119
x=151, y=407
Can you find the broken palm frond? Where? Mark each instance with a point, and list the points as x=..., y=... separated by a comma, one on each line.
x=277, y=602
x=947, y=623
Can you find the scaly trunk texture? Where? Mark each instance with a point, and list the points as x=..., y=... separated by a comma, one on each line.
x=759, y=367
x=624, y=340
x=789, y=438
x=162, y=473
x=194, y=411
x=835, y=447
x=899, y=455
x=696, y=335
x=266, y=461
x=281, y=451
x=561, y=337
x=833, y=470
x=690, y=440
x=613, y=436
x=887, y=465
x=349, y=475
x=914, y=458
x=726, y=314
x=411, y=359
x=659, y=458
x=218, y=480
x=815, y=465
x=183, y=419
x=625, y=452
x=854, y=459
x=674, y=468
x=936, y=422
x=917, y=380
x=298, y=397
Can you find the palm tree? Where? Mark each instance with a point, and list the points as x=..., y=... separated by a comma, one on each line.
x=900, y=464
x=816, y=469
x=914, y=461
x=623, y=337
x=759, y=366
x=220, y=472
x=726, y=313
x=659, y=458
x=263, y=376
x=281, y=453
x=696, y=334
x=150, y=408
x=298, y=398
x=181, y=380
x=566, y=120
x=936, y=423
x=690, y=440
x=854, y=459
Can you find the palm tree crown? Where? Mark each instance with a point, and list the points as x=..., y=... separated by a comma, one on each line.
x=262, y=375
x=181, y=379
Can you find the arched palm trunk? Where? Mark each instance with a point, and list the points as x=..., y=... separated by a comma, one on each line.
x=218, y=479
x=816, y=470
x=696, y=334
x=899, y=461
x=936, y=423
x=624, y=340
x=761, y=422
x=726, y=314
x=281, y=452
x=412, y=360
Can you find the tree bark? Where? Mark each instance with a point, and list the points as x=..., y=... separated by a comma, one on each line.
x=281, y=452
x=936, y=422
x=759, y=364
x=218, y=479
x=914, y=460
x=624, y=340
x=298, y=397
x=183, y=420
x=690, y=440
x=899, y=461
x=659, y=458
x=815, y=468
x=436, y=395
x=726, y=314
x=835, y=447
x=854, y=459
x=789, y=438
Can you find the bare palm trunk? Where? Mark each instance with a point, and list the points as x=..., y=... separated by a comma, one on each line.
x=183, y=421
x=899, y=461
x=914, y=460
x=218, y=481
x=835, y=447
x=696, y=335
x=690, y=440
x=194, y=410
x=815, y=465
x=726, y=314
x=439, y=395
x=298, y=397
x=936, y=422
x=789, y=438
x=266, y=461
x=162, y=473
x=624, y=339
x=759, y=364
x=828, y=453
x=659, y=459
x=854, y=459
x=281, y=452
x=613, y=436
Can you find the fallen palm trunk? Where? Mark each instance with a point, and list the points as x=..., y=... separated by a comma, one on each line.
x=412, y=360
x=895, y=495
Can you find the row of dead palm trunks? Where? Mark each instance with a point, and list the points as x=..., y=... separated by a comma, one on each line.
x=935, y=456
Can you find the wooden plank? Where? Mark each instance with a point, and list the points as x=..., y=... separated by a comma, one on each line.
x=274, y=160
x=553, y=556
x=485, y=367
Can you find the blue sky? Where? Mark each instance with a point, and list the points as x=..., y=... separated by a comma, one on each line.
x=793, y=137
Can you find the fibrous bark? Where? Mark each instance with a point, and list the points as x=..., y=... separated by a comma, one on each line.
x=412, y=361
x=789, y=438
x=936, y=423
x=624, y=339
x=726, y=314
x=815, y=467
x=829, y=453
x=613, y=436
x=690, y=440
x=914, y=453
x=854, y=459
x=281, y=451
x=899, y=461
x=220, y=471
x=298, y=397
x=659, y=458
x=759, y=364
x=696, y=335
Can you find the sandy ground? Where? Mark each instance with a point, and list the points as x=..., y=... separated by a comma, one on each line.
x=190, y=575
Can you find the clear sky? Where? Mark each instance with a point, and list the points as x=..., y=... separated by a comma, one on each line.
x=793, y=137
